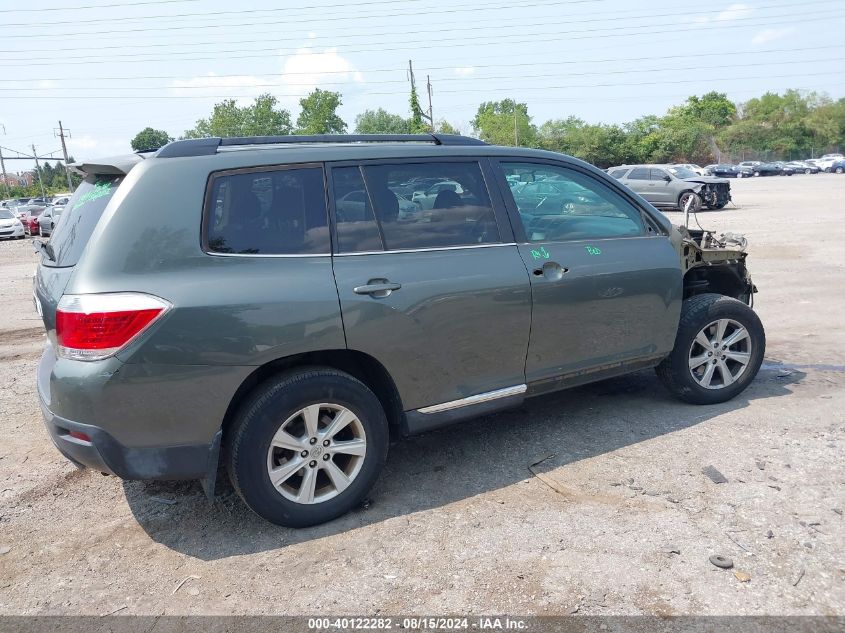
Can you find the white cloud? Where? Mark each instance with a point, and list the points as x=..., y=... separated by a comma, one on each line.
x=212, y=85
x=465, y=71
x=734, y=12
x=307, y=69
x=770, y=35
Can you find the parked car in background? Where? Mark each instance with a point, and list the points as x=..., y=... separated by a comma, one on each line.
x=749, y=165
x=293, y=355
x=693, y=168
x=826, y=162
x=10, y=226
x=803, y=167
x=59, y=201
x=721, y=170
x=785, y=168
x=30, y=222
x=47, y=221
x=837, y=166
x=671, y=186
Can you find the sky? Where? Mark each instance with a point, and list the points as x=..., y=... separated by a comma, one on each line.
x=108, y=69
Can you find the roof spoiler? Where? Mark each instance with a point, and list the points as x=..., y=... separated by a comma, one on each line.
x=116, y=165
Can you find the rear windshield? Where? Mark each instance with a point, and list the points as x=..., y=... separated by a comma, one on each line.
x=81, y=215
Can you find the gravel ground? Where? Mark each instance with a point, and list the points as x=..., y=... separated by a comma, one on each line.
x=619, y=520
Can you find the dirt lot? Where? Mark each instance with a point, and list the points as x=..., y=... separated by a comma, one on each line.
x=621, y=521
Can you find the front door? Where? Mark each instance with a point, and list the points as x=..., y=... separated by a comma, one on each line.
x=606, y=282
x=438, y=295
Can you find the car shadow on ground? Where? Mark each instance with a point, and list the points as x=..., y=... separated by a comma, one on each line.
x=445, y=466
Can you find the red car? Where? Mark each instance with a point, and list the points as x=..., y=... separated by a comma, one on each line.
x=30, y=221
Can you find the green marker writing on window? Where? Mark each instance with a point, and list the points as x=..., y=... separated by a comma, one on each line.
x=592, y=250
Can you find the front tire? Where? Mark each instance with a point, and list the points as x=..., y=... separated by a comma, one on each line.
x=839, y=170
x=307, y=446
x=685, y=196
x=718, y=350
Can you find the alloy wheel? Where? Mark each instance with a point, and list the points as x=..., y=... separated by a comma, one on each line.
x=316, y=453
x=719, y=354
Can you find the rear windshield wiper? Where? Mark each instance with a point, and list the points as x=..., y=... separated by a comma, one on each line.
x=45, y=249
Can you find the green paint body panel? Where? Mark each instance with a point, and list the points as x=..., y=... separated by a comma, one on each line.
x=460, y=325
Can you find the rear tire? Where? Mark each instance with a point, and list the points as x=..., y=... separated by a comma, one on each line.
x=718, y=350
x=756, y=173
x=284, y=431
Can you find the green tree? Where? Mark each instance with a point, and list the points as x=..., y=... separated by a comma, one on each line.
x=262, y=118
x=149, y=138
x=381, y=121
x=319, y=113
x=505, y=122
x=417, y=124
x=444, y=127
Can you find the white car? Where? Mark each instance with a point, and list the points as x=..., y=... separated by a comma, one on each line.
x=10, y=226
x=827, y=160
x=692, y=167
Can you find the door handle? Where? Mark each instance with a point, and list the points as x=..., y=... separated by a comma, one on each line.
x=551, y=271
x=378, y=288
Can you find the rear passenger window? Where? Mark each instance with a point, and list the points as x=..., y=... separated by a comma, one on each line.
x=357, y=230
x=276, y=212
x=640, y=173
x=431, y=205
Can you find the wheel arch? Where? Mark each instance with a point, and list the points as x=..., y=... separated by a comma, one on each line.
x=355, y=363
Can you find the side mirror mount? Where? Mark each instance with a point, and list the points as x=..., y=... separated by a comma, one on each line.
x=667, y=178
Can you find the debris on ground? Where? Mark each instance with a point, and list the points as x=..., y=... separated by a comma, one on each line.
x=798, y=577
x=770, y=534
x=671, y=549
x=761, y=464
x=184, y=580
x=4, y=549
x=837, y=511
x=722, y=562
x=551, y=483
x=783, y=373
x=715, y=476
x=742, y=576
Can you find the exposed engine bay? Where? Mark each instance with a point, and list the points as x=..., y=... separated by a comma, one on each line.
x=714, y=263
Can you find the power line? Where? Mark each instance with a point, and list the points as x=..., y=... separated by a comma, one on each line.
x=710, y=80
x=450, y=67
x=287, y=22
x=438, y=31
x=357, y=6
x=95, y=6
x=445, y=79
x=407, y=45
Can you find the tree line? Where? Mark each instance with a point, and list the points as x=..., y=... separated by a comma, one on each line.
x=700, y=130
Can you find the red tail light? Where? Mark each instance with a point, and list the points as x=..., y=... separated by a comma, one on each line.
x=92, y=327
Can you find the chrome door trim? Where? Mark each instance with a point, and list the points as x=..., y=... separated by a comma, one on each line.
x=476, y=399
x=426, y=249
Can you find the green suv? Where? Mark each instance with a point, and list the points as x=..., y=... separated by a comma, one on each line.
x=281, y=304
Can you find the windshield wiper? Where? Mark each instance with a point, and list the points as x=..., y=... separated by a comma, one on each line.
x=45, y=249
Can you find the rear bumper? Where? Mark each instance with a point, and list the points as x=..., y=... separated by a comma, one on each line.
x=130, y=433
x=107, y=455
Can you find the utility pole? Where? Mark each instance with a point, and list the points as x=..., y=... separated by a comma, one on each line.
x=3, y=166
x=38, y=173
x=430, y=108
x=425, y=116
x=515, y=128
x=61, y=135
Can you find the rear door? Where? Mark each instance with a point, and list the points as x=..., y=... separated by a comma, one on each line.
x=440, y=297
x=606, y=281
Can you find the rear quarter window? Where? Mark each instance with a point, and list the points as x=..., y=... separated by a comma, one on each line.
x=80, y=218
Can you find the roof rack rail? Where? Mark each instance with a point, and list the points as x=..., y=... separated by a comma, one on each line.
x=209, y=146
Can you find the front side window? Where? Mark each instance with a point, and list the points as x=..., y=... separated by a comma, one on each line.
x=618, y=173
x=560, y=204
x=278, y=212
x=641, y=173
x=658, y=174
x=412, y=205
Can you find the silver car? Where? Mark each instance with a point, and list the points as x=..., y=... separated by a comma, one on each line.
x=672, y=186
x=47, y=221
